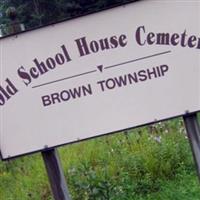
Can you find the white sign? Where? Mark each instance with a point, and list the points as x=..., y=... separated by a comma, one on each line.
x=101, y=73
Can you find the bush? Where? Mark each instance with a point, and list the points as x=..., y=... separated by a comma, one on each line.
x=147, y=163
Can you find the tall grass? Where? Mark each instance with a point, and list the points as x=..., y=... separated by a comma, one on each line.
x=149, y=163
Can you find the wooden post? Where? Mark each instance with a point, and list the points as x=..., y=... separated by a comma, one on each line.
x=193, y=131
x=56, y=175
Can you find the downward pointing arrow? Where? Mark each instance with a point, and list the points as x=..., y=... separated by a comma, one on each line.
x=100, y=68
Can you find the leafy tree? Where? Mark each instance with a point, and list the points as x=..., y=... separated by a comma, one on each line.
x=34, y=13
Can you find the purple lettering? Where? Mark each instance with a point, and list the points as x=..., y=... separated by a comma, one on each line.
x=138, y=36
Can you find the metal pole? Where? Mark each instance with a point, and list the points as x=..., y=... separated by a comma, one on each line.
x=193, y=131
x=56, y=175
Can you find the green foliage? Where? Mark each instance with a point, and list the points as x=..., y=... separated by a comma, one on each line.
x=132, y=164
x=34, y=13
x=149, y=163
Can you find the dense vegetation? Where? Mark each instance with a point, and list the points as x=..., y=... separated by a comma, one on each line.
x=34, y=13
x=150, y=163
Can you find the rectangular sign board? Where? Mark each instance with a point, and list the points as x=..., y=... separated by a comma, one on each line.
x=121, y=68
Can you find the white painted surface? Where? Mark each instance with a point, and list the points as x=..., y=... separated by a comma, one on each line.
x=27, y=126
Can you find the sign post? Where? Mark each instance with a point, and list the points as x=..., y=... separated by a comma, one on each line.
x=56, y=175
x=193, y=131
